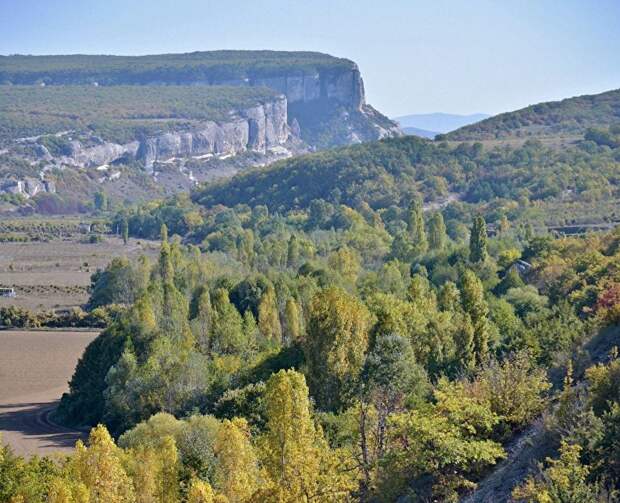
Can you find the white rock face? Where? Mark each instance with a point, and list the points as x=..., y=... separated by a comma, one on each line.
x=346, y=87
x=257, y=129
x=27, y=187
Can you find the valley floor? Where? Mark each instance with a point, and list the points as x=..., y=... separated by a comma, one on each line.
x=56, y=274
x=35, y=367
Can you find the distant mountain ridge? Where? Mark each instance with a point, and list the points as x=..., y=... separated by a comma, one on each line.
x=571, y=116
x=437, y=123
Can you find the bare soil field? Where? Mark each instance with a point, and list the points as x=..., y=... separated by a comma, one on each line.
x=56, y=274
x=35, y=367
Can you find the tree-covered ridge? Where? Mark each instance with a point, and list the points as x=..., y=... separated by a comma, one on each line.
x=207, y=66
x=118, y=112
x=572, y=117
x=390, y=172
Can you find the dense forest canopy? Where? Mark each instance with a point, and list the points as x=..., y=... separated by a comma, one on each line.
x=281, y=362
x=207, y=66
x=118, y=112
x=571, y=116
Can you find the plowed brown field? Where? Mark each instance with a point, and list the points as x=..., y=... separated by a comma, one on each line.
x=35, y=367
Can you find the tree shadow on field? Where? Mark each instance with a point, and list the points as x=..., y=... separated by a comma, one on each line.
x=30, y=422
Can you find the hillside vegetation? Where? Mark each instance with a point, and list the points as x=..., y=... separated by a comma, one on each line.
x=188, y=67
x=572, y=116
x=524, y=182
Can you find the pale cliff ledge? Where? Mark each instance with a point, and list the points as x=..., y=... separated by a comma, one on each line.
x=255, y=129
x=258, y=129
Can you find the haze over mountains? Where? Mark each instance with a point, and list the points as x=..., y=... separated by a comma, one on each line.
x=430, y=125
x=567, y=117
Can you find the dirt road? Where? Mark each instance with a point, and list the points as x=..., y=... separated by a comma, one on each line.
x=34, y=370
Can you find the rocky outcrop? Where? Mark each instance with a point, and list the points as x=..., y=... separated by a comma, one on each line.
x=324, y=95
x=258, y=129
x=343, y=86
x=97, y=155
x=27, y=187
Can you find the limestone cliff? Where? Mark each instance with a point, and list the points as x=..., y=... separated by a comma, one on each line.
x=325, y=94
x=256, y=129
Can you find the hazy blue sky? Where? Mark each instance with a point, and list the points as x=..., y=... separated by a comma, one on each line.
x=415, y=56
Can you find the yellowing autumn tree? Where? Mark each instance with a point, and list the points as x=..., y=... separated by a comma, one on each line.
x=299, y=465
x=268, y=318
x=99, y=467
x=62, y=490
x=237, y=472
x=200, y=492
x=292, y=320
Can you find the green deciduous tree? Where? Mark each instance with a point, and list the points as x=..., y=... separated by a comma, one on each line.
x=390, y=374
x=565, y=480
x=336, y=343
x=227, y=329
x=202, y=321
x=292, y=259
x=465, y=343
x=434, y=449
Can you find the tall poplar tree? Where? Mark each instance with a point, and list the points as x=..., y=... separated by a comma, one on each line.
x=464, y=339
x=415, y=226
x=292, y=259
x=437, y=236
x=475, y=305
x=125, y=230
x=478, y=241
x=237, y=464
x=268, y=316
x=292, y=320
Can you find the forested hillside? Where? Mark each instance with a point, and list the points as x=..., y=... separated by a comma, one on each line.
x=528, y=183
x=376, y=323
x=569, y=117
